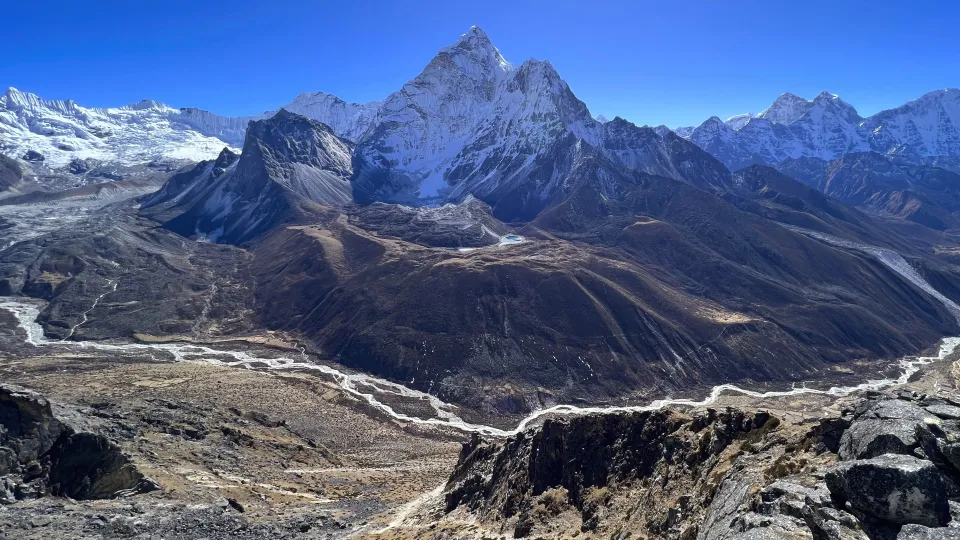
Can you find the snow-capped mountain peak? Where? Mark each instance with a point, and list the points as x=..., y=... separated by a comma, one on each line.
x=476, y=46
x=825, y=96
x=786, y=109
x=835, y=105
x=348, y=120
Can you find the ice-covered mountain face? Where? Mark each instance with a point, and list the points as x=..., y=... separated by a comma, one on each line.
x=739, y=120
x=348, y=120
x=57, y=132
x=922, y=131
x=786, y=109
x=420, y=129
x=928, y=126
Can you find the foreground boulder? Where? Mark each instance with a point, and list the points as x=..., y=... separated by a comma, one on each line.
x=41, y=454
x=895, y=488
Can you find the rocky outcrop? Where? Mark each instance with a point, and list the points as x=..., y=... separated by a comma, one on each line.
x=881, y=471
x=41, y=454
x=11, y=173
x=892, y=475
x=883, y=427
x=675, y=456
x=919, y=532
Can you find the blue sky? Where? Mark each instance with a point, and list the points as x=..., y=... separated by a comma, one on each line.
x=652, y=62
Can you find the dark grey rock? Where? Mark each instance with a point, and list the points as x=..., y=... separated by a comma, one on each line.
x=919, y=532
x=33, y=155
x=47, y=455
x=80, y=166
x=885, y=427
x=948, y=412
x=894, y=488
x=11, y=173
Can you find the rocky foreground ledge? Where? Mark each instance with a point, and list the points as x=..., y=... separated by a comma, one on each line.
x=889, y=468
x=42, y=454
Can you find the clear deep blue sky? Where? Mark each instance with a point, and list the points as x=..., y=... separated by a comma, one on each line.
x=674, y=62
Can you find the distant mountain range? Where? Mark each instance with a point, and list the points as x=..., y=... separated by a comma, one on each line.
x=923, y=131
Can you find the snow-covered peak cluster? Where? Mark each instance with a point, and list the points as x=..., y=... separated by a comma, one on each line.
x=471, y=121
x=827, y=127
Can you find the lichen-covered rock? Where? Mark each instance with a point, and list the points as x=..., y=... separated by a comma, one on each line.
x=894, y=488
x=811, y=509
x=919, y=532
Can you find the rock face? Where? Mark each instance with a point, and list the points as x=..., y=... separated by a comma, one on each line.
x=11, y=173
x=919, y=532
x=884, y=427
x=924, y=194
x=41, y=455
x=584, y=457
x=719, y=475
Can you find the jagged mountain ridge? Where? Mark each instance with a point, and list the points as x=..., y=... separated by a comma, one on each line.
x=826, y=127
x=288, y=161
x=473, y=125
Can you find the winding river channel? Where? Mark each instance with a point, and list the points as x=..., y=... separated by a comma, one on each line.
x=371, y=389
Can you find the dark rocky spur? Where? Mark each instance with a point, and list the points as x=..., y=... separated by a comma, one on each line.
x=43, y=454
